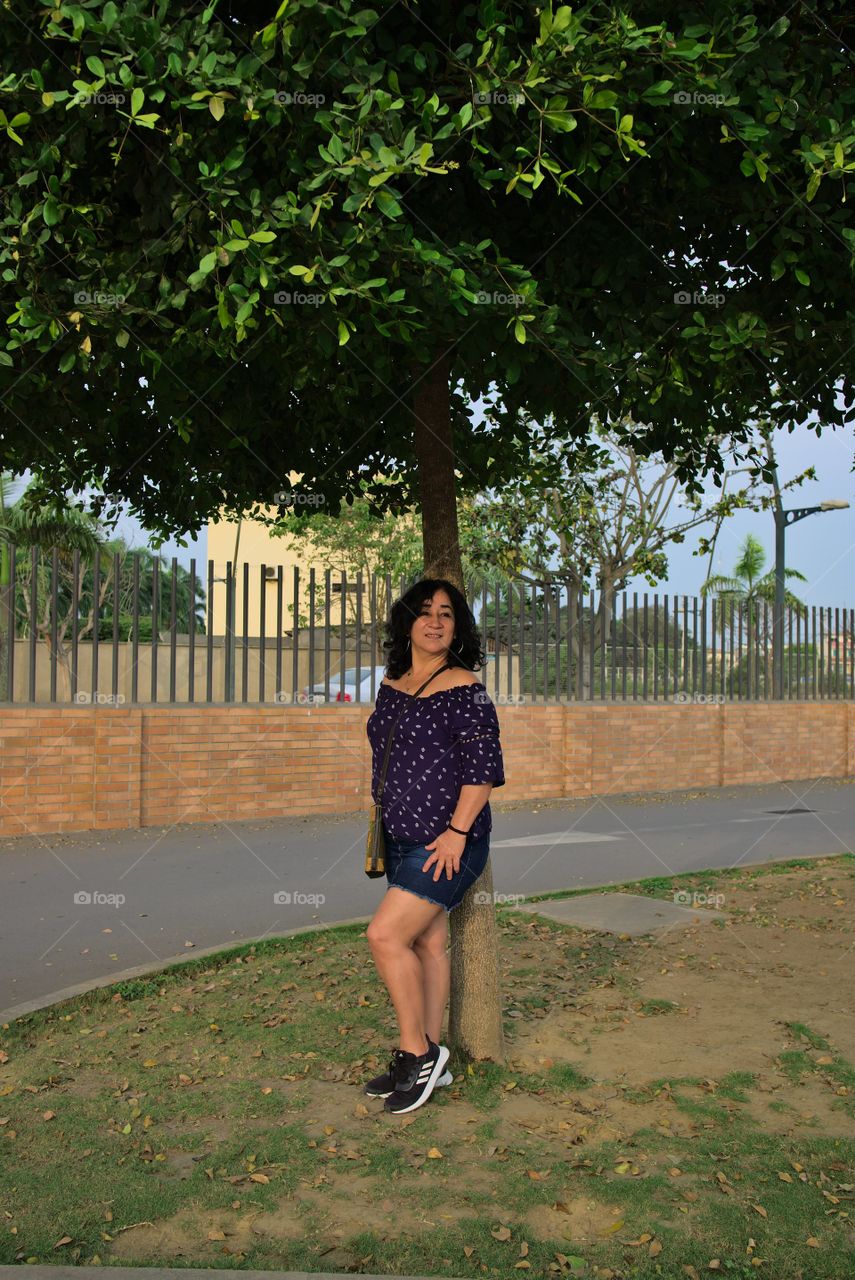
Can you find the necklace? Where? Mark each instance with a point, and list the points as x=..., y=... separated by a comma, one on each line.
x=411, y=682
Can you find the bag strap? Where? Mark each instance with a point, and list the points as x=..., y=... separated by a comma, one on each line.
x=382, y=782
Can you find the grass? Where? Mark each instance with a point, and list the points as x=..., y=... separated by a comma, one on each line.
x=252, y=1060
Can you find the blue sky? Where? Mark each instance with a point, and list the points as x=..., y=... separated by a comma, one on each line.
x=821, y=546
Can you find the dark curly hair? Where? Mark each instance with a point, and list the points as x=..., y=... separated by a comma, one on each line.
x=465, y=650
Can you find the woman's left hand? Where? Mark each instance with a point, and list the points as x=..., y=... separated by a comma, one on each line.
x=447, y=852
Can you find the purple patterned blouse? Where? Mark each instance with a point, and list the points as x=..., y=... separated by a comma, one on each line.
x=443, y=741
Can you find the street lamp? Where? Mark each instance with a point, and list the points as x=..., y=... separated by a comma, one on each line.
x=782, y=519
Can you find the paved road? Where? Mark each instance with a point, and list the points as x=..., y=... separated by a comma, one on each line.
x=215, y=885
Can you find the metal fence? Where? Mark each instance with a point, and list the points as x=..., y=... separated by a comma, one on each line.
x=134, y=629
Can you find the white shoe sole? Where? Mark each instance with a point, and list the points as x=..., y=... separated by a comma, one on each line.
x=443, y=1080
x=439, y=1068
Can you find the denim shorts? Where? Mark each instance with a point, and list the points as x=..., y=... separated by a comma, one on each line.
x=404, y=862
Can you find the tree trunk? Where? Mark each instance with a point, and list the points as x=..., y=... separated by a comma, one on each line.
x=435, y=455
x=475, y=1013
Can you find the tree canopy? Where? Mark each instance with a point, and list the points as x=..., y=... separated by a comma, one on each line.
x=240, y=241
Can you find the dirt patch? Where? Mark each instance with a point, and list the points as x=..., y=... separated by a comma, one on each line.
x=197, y=1234
x=342, y=1215
x=727, y=994
x=575, y=1220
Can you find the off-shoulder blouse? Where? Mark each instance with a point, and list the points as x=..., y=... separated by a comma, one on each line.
x=442, y=742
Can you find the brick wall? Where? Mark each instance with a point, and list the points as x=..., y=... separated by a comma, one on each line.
x=84, y=767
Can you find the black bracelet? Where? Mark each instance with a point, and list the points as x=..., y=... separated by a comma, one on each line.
x=457, y=829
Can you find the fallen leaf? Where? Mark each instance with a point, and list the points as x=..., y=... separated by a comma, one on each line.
x=655, y=1248
x=500, y=1233
x=759, y=1209
x=785, y=1177
x=434, y=1154
x=48, y=1115
x=64, y=1240
x=813, y=1242
x=258, y=1177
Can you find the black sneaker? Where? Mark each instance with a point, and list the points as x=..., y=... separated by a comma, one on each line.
x=382, y=1086
x=416, y=1077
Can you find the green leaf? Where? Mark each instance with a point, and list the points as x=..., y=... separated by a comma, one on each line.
x=96, y=66
x=110, y=15
x=67, y=361
x=299, y=270
x=343, y=333
x=563, y=121
x=137, y=99
x=387, y=204
x=838, y=154
x=659, y=89
x=377, y=179
x=5, y=358
x=519, y=331
x=51, y=211
x=336, y=147
x=208, y=263
x=263, y=237
x=216, y=106
x=802, y=276
x=122, y=338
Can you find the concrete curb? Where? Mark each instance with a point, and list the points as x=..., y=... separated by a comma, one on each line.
x=143, y=970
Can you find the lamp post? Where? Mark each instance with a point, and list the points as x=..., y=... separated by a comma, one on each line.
x=782, y=519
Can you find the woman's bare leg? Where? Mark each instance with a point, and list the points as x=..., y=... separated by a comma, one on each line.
x=431, y=947
x=398, y=921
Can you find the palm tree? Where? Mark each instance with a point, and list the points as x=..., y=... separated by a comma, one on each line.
x=42, y=527
x=749, y=587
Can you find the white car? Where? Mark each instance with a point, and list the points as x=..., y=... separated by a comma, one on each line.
x=353, y=676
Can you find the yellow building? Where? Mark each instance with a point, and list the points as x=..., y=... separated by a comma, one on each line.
x=256, y=555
